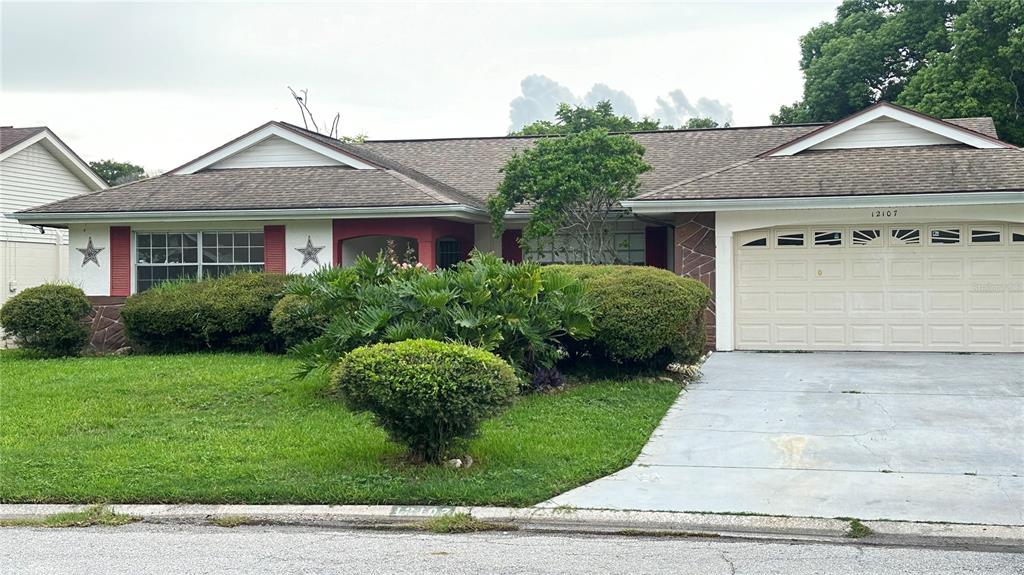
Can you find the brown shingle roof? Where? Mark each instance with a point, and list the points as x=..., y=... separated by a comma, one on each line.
x=981, y=125
x=256, y=188
x=10, y=137
x=473, y=164
x=865, y=171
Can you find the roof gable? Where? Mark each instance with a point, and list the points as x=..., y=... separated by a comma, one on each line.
x=886, y=125
x=257, y=148
x=275, y=152
x=14, y=140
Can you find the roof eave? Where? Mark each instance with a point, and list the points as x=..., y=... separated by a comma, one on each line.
x=455, y=211
x=812, y=202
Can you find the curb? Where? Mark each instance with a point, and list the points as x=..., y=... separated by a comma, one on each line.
x=568, y=520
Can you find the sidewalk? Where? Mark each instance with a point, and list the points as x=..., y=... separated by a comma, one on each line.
x=568, y=520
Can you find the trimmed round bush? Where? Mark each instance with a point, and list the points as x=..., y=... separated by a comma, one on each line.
x=294, y=322
x=227, y=313
x=643, y=316
x=426, y=394
x=49, y=319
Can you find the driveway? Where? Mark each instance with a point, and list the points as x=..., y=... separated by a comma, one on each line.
x=908, y=436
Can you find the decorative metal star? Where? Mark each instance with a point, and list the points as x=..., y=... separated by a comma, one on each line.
x=89, y=252
x=309, y=253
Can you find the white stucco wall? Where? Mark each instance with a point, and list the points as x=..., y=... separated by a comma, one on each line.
x=728, y=223
x=93, y=279
x=297, y=233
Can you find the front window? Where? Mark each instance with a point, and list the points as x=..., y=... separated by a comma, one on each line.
x=630, y=247
x=170, y=256
x=448, y=252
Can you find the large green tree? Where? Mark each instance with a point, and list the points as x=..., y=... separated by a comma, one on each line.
x=573, y=185
x=115, y=173
x=983, y=75
x=868, y=54
x=574, y=119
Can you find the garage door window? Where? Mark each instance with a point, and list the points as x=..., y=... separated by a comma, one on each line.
x=867, y=237
x=1017, y=236
x=945, y=236
x=985, y=236
x=830, y=238
x=790, y=239
x=906, y=237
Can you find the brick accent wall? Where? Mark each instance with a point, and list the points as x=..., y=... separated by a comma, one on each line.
x=106, y=332
x=511, y=251
x=695, y=257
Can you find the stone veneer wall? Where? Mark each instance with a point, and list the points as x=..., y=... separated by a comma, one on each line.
x=695, y=257
x=106, y=332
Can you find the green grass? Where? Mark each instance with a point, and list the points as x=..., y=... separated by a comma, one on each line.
x=463, y=523
x=96, y=515
x=234, y=428
x=858, y=530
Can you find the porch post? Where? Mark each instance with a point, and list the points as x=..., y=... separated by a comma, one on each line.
x=425, y=247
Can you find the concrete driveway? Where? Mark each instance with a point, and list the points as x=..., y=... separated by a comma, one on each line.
x=908, y=436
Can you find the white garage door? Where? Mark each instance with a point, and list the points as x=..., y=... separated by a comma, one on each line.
x=901, y=287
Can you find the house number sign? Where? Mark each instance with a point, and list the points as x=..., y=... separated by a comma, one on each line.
x=890, y=213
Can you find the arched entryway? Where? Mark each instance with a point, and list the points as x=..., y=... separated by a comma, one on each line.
x=431, y=237
x=400, y=248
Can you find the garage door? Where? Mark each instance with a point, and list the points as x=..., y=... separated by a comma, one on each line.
x=910, y=287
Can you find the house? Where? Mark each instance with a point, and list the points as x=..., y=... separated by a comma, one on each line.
x=36, y=168
x=887, y=230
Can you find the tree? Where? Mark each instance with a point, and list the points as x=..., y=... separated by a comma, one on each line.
x=868, y=54
x=701, y=124
x=574, y=119
x=115, y=173
x=573, y=185
x=302, y=101
x=983, y=75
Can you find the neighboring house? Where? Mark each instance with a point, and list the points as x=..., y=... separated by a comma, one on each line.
x=36, y=168
x=887, y=230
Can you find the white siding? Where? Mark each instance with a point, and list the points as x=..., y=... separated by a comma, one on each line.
x=27, y=264
x=296, y=233
x=30, y=178
x=93, y=279
x=883, y=133
x=274, y=152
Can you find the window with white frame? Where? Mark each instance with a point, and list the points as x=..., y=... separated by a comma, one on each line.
x=630, y=248
x=171, y=256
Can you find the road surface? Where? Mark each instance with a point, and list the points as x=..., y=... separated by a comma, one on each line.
x=146, y=548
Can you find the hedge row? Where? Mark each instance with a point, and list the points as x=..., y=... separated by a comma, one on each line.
x=227, y=313
x=643, y=316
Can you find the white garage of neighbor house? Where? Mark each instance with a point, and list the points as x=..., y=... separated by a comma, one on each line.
x=36, y=168
x=887, y=230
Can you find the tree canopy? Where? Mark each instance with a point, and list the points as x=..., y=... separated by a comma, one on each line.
x=945, y=58
x=573, y=185
x=575, y=119
x=983, y=75
x=115, y=173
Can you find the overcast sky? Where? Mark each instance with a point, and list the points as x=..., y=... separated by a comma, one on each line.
x=160, y=83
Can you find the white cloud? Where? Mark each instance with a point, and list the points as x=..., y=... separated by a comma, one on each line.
x=158, y=84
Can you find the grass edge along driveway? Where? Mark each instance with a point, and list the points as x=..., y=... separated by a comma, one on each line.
x=235, y=428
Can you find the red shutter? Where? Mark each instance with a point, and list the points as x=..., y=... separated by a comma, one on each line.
x=656, y=246
x=511, y=251
x=273, y=249
x=120, y=261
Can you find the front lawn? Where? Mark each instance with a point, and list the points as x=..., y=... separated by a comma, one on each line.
x=233, y=428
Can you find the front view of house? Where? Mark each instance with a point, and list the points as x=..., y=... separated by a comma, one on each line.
x=888, y=230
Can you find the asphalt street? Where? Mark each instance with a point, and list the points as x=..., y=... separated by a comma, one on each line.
x=147, y=548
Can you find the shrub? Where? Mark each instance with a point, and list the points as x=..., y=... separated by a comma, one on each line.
x=426, y=394
x=643, y=316
x=294, y=322
x=227, y=313
x=512, y=310
x=48, y=319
